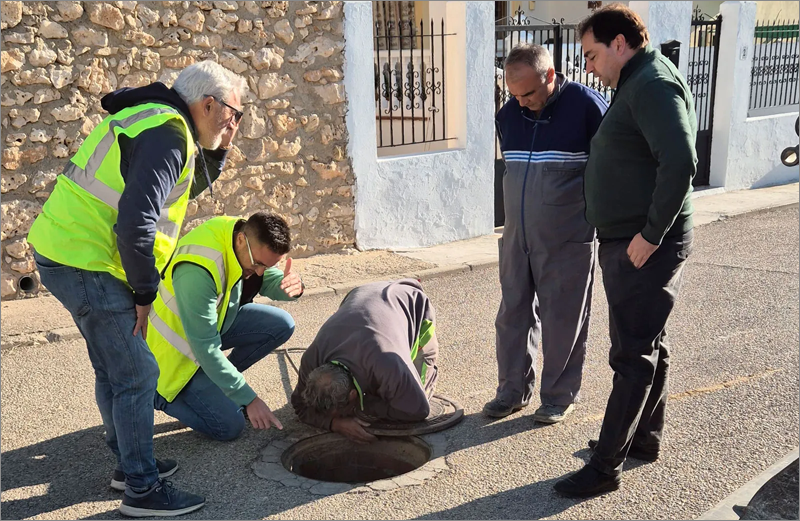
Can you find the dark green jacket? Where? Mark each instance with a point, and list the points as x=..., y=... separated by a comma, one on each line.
x=642, y=159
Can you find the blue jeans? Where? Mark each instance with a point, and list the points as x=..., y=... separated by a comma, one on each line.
x=256, y=332
x=125, y=370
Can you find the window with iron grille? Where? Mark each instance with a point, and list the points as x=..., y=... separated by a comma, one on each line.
x=410, y=76
x=773, y=76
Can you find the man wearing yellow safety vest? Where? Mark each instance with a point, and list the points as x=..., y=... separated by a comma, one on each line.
x=108, y=230
x=205, y=306
x=377, y=355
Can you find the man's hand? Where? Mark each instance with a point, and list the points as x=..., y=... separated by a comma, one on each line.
x=353, y=428
x=227, y=137
x=261, y=416
x=639, y=250
x=141, y=320
x=291, y=283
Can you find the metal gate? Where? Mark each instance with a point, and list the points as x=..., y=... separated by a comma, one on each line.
x=702, y=79
x=563, y=43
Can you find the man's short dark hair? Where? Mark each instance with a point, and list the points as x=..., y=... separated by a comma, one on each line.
x=270, y=230
x=609, y=21
x=534, y=56
x=327, y=388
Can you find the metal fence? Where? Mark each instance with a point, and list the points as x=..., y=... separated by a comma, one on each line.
x=773, y=78
x=559, y=38
x=410, y=83
x=702, y=79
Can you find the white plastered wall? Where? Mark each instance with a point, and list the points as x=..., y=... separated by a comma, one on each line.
x=431, y=198
x=668, y=21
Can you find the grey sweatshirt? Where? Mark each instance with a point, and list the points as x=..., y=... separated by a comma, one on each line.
x=373, y=334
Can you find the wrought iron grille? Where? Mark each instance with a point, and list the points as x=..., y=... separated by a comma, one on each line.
x=773, y=77
x=559, y=38
x=410, y=83
x=702, y=70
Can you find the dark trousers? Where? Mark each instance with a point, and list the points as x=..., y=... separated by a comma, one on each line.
x=639, y=304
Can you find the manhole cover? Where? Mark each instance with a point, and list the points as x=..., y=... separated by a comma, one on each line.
x=444, y=414
x=332, y=457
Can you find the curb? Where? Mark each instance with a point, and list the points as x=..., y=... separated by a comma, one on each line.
x=742, y=496
x=72, y=333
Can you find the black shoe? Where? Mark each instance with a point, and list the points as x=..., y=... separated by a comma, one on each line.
x=497, y=408
x=550, y=414
x=162, y=500
x=634, y=452
x=587, y=482
x=166, y=468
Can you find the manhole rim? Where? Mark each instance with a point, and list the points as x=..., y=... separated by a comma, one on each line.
x=422, y=428
x=431, y=455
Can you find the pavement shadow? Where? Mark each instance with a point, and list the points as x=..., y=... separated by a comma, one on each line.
x=477, y=429
x=534, y=501
x=75, y=467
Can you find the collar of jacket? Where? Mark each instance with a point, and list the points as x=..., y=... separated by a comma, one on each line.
x=643, y=56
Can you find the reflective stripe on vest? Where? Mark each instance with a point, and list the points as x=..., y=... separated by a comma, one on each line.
x=102, y=191
x=210, y=246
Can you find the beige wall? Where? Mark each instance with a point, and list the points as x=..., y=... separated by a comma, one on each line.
x=60, y=58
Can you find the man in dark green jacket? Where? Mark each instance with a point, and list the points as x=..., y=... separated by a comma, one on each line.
x=638, y=184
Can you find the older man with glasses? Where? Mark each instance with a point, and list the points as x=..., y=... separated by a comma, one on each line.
x=107, y=232
x=205, y=307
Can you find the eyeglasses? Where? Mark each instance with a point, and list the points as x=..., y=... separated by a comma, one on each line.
x=237, y=114
x=249, y=252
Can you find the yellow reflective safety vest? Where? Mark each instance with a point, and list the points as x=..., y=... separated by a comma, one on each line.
x=76, y=226
x=210, y=246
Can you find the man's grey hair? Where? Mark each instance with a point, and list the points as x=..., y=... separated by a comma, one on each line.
x=208, y=78
x=532, y=55
x=327, y=388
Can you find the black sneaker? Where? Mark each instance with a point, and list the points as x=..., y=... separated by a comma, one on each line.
x=497, y=408
x=162, y=500
x=587, y=482
x=635, y=452
x=166, y=468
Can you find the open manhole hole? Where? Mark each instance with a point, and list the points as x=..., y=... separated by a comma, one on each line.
x=332, y=457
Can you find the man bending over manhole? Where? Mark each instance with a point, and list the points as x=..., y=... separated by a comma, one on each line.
x=376, y=355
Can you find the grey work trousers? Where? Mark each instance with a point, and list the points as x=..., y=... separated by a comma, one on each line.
x=547, y=260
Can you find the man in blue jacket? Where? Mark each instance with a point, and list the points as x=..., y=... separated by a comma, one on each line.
x=547, y=253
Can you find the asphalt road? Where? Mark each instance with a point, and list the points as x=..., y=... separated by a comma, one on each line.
x=733, y=408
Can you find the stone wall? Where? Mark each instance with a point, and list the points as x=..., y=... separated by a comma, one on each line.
x=60, y=58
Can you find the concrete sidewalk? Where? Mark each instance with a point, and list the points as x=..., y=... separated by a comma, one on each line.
x=709, y=206
x=43, y=319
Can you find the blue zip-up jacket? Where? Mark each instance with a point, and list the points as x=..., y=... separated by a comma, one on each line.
x=557, y=143
x=151, y=164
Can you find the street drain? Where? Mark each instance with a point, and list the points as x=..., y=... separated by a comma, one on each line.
x=332, y=457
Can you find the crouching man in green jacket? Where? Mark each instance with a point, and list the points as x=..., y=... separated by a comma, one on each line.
x=375, y=356
x=205, y=306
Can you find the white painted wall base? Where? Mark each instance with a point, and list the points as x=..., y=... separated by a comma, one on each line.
x=425, y=199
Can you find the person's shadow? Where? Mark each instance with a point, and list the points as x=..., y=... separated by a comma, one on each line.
x=75, y=468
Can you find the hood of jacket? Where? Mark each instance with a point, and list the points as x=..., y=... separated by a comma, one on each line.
x=154, y=93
